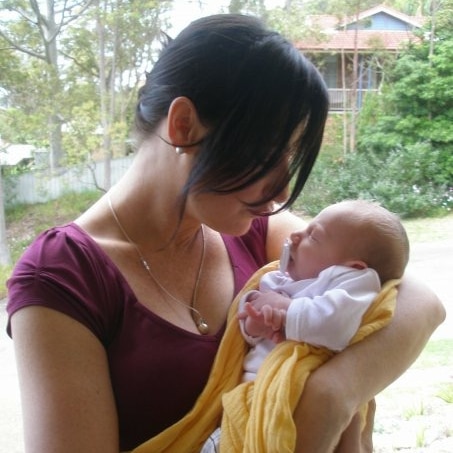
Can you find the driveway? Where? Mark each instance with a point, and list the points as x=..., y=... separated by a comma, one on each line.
x=432, y=262
x=10, y=413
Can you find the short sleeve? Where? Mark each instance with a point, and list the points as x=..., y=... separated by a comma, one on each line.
x=65, y=270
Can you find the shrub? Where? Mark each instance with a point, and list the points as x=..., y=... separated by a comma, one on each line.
x=407, y=181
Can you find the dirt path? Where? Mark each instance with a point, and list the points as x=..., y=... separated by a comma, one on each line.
x=411, y=416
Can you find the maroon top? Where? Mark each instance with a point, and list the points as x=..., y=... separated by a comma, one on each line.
x=157, y=369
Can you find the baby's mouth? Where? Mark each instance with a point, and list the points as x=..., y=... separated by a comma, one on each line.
x=285, y=256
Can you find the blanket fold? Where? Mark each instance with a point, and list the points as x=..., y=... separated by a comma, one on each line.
x=257, y=416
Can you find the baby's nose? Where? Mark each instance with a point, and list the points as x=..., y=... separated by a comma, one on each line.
x=296, y=237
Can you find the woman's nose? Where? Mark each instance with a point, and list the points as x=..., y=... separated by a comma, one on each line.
x=282, y=196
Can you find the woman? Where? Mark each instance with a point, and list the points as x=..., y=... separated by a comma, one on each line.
x=117, y=317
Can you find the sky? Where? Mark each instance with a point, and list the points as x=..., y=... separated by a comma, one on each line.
x=185, y=11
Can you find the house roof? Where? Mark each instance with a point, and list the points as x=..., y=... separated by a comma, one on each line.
x=414, y=21
x=13, y=154
x=367, y=40
x=335, y=36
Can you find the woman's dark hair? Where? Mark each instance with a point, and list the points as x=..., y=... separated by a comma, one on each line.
x=261, y=100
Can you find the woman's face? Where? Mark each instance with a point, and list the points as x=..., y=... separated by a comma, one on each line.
x=233, y=213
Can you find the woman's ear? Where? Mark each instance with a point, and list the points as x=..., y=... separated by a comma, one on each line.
x=184, y=127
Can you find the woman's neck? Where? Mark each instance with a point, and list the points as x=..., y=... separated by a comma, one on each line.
x=148, y=200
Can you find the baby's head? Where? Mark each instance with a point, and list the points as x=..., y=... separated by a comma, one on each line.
x=356, y=233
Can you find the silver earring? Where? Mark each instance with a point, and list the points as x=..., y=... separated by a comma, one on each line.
x=179, y=150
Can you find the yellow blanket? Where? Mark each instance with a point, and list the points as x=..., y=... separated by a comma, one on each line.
x=257, y=415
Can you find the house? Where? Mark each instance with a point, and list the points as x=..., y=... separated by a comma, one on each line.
x=350, y=52
x=12, y=155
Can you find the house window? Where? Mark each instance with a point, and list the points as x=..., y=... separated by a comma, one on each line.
x=329, y=71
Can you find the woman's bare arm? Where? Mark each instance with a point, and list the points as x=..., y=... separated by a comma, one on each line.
x=335, y=391
x=65, y=387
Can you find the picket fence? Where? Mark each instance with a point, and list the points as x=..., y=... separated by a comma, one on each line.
x=40, y=186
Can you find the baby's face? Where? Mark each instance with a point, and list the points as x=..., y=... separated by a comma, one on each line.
x=322, y=244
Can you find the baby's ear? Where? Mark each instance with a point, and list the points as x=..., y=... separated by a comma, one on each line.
x=356, y=264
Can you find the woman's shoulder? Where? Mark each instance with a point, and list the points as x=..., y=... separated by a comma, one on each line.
x=64, y=269
x=62, y=250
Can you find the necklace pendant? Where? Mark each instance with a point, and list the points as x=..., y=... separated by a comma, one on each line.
x=202, y=326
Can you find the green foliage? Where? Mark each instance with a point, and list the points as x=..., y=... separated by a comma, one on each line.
x=5, y=272
x=404, y=156
x=41, y=97
x=36, y=218
x=18, y=126
x=80, y=140
x=446, y=393
x=256, y=7
x=29, y=87
x=11, y=67
x=406, y=181
x=291, y=21
x=24, y=222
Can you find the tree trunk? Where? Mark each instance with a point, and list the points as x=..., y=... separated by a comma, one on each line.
x=5, y=257
x=106, y=144
x=355, y=76
x=345, y=103
x=432, y=37
x=51, y=49
x=55, y=140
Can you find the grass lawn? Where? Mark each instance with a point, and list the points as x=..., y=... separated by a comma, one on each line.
x=436, y=353
x=415, y=413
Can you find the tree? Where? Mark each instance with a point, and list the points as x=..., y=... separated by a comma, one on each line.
x=33, y=28
x=248, y=6
x=292, y=20
x=409, y=126
x=417, y=102
x=112, y=46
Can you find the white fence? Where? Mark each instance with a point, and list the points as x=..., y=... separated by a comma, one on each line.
x=40, y=186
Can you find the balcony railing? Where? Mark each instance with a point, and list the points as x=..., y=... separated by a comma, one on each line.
x=341, y=99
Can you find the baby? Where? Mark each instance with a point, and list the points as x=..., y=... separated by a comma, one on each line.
x=329, y=275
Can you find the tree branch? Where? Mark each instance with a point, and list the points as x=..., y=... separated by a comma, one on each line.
x=21, y=48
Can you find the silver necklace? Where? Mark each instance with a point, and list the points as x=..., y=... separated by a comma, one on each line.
x=199, y=321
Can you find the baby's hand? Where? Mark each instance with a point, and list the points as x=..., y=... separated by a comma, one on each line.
x=265, y=322
x=253, y=321
x=275, y=320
